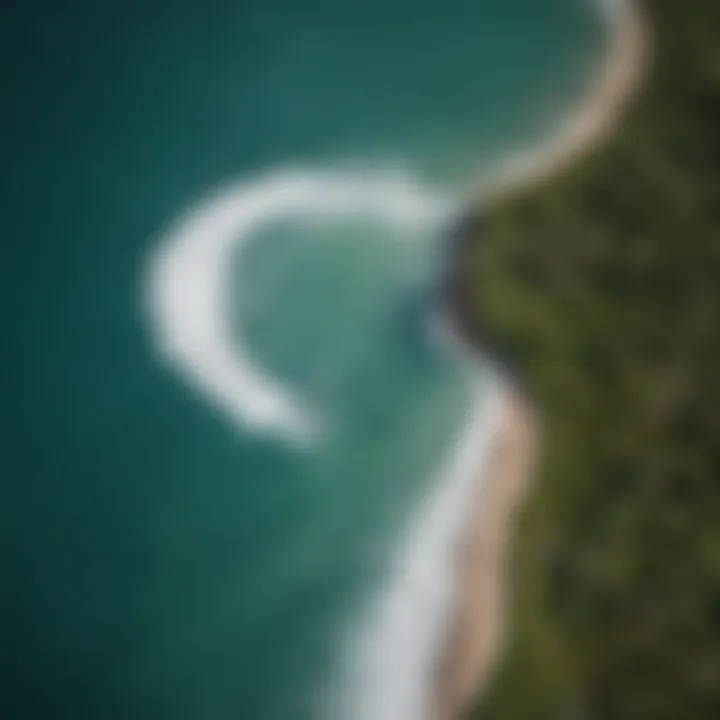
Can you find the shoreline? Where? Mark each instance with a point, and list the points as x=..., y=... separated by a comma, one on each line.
x=476, y=635
x=597, y=115
x=475, y=632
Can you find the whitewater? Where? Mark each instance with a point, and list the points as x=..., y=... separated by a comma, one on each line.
x=188, y=285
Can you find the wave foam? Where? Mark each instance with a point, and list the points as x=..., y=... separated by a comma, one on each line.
x=188, y=283
x=395, y=650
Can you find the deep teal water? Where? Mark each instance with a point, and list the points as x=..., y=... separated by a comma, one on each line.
x=160, y=560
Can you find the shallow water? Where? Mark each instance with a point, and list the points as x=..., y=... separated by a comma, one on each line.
x=169, y=551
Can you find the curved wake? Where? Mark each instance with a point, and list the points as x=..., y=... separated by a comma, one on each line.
x=188, y=283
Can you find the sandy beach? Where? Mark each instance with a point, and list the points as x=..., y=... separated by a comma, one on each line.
x=596, y=116
x=475, y=635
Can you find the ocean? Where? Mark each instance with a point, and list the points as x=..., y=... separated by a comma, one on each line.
x=234, y=424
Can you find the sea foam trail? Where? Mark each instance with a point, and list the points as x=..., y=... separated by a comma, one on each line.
x=392, y=663
x=187, y=291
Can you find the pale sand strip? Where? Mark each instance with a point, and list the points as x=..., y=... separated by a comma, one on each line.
x=476, y=632
x=596, y=116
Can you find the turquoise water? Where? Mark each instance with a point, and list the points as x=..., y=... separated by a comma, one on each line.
x=165, y=553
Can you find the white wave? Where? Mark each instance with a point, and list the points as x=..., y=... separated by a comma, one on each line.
x=394, y=651
x=188, y=283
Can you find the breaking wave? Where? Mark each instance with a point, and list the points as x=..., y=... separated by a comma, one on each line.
x=393, y=651
x=187, y=290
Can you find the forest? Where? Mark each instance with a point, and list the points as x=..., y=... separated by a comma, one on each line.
x=600, y=291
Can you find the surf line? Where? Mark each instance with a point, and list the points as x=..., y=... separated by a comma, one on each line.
x=186, y=291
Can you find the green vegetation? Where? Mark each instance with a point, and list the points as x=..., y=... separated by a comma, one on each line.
x=604, y=290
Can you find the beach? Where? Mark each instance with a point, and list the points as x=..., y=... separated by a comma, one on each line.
x=476, y=632
x=595, y=117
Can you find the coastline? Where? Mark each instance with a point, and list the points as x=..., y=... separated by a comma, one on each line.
x=475, y=632
x=597, y=114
